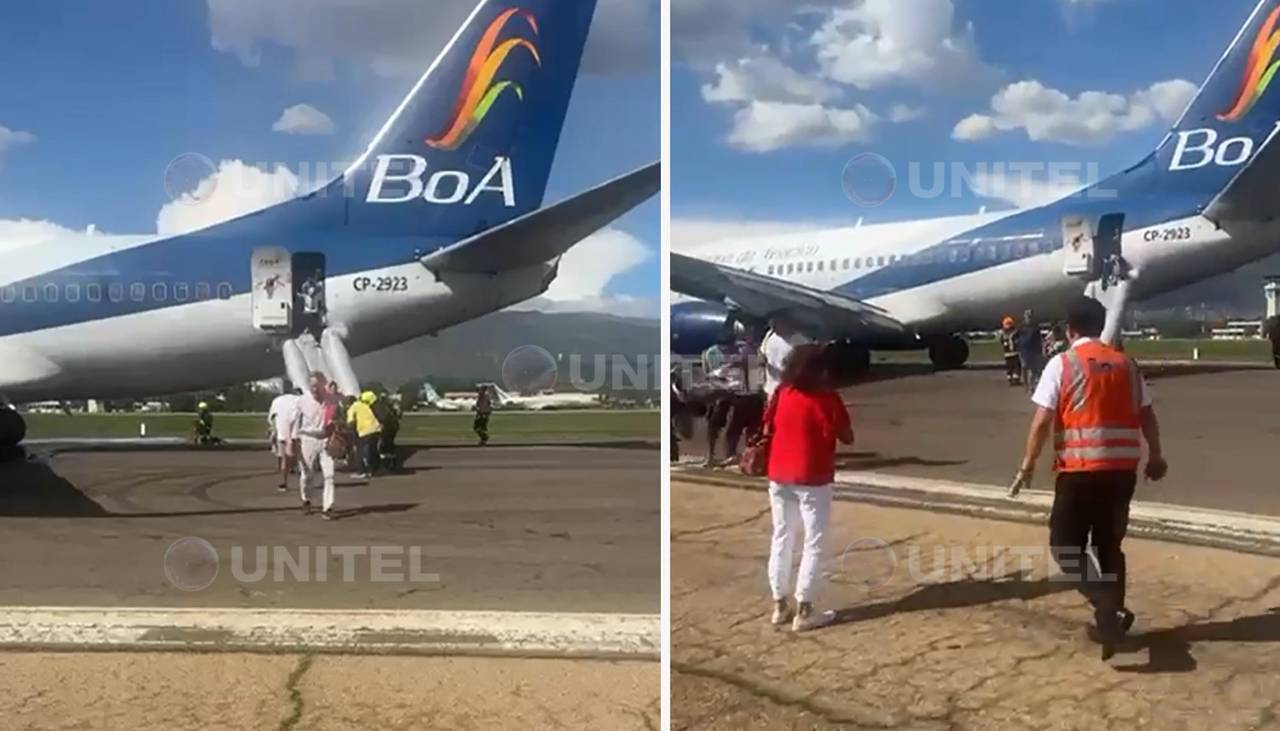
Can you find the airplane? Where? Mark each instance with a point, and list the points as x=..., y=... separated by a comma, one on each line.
x=439, y=221
x=432, y=398
x=1200, y=205
x=547, y=401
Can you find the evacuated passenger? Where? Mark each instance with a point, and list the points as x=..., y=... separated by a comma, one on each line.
x=280, y=419
x=484, y=409
x=1095, y=400
x=1058, y=342
x=748, y=403
x=313, y=428
x=782, y=338
x=1273, y=334
x=805, y=420
x=368, y=433
x=1009, y=344
x=725, y=366
x=1030, y=351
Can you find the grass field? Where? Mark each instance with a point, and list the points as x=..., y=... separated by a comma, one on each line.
x=1245, y=351
x=436, y=428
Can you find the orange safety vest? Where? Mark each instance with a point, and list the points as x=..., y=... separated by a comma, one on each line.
x=1098, y=423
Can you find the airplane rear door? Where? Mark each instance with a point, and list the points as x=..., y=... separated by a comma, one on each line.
x=272, y=276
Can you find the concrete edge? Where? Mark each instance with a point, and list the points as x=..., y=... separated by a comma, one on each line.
x=372, y=632
x=1176, y=524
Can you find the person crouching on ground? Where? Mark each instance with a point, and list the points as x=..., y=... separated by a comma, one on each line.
x=805, y=418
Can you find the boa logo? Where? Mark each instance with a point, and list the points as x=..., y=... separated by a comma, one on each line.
x=444, y=187
x=1259, y=72
x=480, y=89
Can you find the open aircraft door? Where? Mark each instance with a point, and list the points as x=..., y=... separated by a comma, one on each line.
x=272, y=276
x=1090, y=254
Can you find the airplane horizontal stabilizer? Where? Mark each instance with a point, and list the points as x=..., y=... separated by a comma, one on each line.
x=821, y=314
x=23, y=367
x=545, y=234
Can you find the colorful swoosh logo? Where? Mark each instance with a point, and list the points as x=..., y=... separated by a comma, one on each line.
x=1258, y=74
x=479, y=90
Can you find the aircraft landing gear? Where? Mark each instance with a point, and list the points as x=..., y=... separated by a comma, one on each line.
x=949, y=353
x=13, y=429
x=852, y=361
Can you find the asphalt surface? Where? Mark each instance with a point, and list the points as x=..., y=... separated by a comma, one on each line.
x=554, y=529
x=1221, y=432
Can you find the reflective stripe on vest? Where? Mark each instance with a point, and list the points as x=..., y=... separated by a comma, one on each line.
x=1099, y=425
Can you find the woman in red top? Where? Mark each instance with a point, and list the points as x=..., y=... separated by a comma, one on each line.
x=806, y=418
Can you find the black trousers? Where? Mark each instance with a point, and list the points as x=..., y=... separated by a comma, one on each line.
x=748, y=412
x=369, y=453
x=1091, y=515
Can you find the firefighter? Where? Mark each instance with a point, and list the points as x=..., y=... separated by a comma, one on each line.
x=385, y=410
x=484, y=409
x=203, y=426
x=1008, y=344
x=1095, y=400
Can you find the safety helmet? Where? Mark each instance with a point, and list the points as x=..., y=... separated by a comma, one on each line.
x=368, y=397
x=1009, y=322
x=203, y=406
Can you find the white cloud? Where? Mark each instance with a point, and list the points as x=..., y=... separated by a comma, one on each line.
x=17, y=233
x=401, y=37
x=303, y=119
x=586, y=271
x=768, y=126
x=1092, y=118
x=12, y=138
x=900, y=113
x=234, y=190
x=766, y=78
x=878, y=42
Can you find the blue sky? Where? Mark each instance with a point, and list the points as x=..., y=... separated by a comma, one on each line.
x=103, y=95
x=769, y=102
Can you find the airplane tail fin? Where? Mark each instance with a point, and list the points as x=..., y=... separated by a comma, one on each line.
x=471, y=146
x=1233, y=115
x=429, y=394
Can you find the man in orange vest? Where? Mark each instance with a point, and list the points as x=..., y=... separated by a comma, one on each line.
x=1095, y=400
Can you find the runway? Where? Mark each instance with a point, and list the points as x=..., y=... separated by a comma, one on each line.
x=1220, y=428
x=512, y=529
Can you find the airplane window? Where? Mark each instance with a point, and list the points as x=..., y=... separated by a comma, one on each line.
x=1033, y=248
x=880, y=261
x=1004, y=251
x=28, y=294
x=955, y=255
x=137, y=291
x=159, y=291
x=770, y=269
x=50, y=293
x=991, y=252
x=93, y=292
x=964, y=253
x=846, y=264
x=820, y=265
x=116, y=292
x=833, y=264
x=8, y=294
x=1019, y=250
x=810, y=268
x=181, y=292
x=203, y=291
x=73, y=293
x=224, y=291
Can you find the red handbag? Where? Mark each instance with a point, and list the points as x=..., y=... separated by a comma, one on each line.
x=754, y=460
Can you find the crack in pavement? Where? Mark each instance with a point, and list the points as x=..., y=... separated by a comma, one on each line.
x=291, y=721
x=677, y=535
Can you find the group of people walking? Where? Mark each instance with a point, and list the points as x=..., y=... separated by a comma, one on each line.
x=1091, y=399
x=314, y=430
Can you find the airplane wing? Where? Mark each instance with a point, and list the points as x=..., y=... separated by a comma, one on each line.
x=24, y=367
x=549, y=232
x=819, y=314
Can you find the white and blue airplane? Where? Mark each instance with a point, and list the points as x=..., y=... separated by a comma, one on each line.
x=440, y=221
x=1205, y=202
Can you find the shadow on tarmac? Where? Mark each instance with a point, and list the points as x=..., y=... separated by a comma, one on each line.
x=1169, y=650
x=33, y=490
x=870, y=461
x=956, y=595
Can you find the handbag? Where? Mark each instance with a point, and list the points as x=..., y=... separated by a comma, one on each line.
x=754, y=460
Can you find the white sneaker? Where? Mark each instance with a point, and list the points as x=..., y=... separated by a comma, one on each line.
x=807, y=619
x=781, y=613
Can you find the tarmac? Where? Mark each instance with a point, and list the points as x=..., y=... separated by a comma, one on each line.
x=1219, y=425
x=954, y=622
x=170, y=588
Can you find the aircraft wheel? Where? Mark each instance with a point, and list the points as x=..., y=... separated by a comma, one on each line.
x=853, y=360
x=950, y=353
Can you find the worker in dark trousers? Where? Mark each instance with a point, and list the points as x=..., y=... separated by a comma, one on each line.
x=484, y=409
x=389, y=416
x=1009, y=346
x=1095, y=400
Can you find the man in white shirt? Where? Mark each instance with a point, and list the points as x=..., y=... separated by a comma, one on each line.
x=776, y=348
x=280, y=420
x=312, y=425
